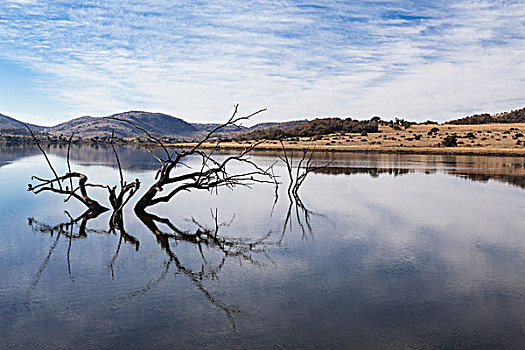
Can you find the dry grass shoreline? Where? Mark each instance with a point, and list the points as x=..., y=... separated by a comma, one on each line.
x=484, y=139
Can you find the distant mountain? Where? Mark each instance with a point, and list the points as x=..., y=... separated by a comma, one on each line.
x=166, y=125
x=11, y=123
x=157, y=123
x=516, y=116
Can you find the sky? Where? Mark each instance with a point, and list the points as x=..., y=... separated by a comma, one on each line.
x=416, y=60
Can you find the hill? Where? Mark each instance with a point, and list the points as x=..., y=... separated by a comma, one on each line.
x=234, y=129
x=515, y=116
x=157, y=123
x=277, y=125
x=171, y=127
x=11, y=123
x=316, y=127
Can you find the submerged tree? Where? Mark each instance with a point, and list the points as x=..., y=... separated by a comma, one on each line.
x=174, y=176
x=75, y=185
x=211, y=174
x=296, y=178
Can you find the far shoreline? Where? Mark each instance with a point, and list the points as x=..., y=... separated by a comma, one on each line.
x=227, y=146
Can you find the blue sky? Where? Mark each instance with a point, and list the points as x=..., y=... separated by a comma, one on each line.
x=195, y=59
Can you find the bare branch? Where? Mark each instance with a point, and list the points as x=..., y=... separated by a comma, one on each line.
x=118, y=160
x=232, y=121
x=44, y=153
x=68, y=163
x=144, y=131
x=211, y=173
x=154, y=156
x=296, y=181
x=289, y=165
x=47, y=185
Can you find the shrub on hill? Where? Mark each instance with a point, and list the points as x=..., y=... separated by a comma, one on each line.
x=516, y=116
x=450, y=141
x=320, y=126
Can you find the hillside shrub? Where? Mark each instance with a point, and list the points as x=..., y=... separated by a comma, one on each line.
x=450, y=141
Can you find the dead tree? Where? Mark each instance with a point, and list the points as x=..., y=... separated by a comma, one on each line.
x=211, y=174
x=75, y=185
x=302, y=169
x=296, y=178
x=65, y=184
x=118, y=201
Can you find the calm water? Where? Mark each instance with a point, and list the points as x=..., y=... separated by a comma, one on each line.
x=398, y=252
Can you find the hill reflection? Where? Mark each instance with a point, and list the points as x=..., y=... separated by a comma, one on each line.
x=131, y=157
x=508, y=170
x=478, y=175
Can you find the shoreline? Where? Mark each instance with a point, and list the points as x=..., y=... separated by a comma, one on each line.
x=468, y=151
x=229, y=146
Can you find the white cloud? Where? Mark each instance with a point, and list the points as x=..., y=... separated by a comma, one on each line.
x=353, y=59
x=21, y=1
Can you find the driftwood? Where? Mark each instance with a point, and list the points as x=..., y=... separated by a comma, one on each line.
x=211, y=174
x=75, y=185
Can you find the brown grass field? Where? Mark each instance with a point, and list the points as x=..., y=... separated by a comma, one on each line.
x=486, y=139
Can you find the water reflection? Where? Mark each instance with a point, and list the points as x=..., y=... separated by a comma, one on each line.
x=206, y=240
x=245, y=250
x=132, y=157
x=407, y=260
x=66, y=229
x=474, y=174
x=509, y=170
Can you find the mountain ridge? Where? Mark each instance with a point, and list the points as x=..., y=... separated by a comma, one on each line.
x=513, y=116
x=157, y=123
x=12, y=123
x=170, y=126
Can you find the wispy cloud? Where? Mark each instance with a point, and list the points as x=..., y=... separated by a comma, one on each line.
x=420, y=60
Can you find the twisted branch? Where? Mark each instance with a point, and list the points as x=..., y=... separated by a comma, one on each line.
x=212, y=173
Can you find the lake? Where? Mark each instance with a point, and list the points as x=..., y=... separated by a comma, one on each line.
x=388, y=252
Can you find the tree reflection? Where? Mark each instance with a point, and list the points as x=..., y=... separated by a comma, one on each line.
x=296, y=177
x=68, y=229
x=241, y=249
x=208, y=241
x=237, y=248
